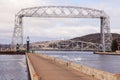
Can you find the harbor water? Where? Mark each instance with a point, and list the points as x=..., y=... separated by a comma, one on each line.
x=13, y=67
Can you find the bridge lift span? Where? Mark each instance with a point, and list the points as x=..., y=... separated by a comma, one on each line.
x=63, y=12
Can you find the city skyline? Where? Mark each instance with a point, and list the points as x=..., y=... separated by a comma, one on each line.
x=40, y=29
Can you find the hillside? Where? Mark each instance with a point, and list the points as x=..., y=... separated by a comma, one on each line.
x=95, y=38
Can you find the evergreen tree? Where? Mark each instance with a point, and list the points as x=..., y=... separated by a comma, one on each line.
x=114, y=46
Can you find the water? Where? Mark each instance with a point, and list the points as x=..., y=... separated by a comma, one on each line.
x=13, y=67
x=109, y=63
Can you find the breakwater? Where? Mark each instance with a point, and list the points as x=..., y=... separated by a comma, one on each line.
x=99, y=74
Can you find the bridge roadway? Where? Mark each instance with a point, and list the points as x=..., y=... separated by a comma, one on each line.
x=49, y=70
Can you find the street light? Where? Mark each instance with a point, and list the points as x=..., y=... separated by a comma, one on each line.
x=28, y=40
x=17, y=47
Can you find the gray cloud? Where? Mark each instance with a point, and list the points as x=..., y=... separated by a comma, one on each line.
x=43, y=29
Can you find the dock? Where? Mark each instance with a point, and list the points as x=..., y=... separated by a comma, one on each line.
x=48, y=70
x=108, y=53
x=12, y=52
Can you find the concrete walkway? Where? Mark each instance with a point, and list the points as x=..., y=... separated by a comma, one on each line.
x=49, y=70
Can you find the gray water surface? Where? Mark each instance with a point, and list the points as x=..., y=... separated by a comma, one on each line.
x=109, y=63
x=13, y=67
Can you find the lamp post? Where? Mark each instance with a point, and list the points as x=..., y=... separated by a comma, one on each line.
x=28, y=40
x=17, y=47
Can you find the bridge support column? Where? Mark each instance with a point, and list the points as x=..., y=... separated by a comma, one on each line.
x=17, y=37
x=105, y=34
x=102, y=35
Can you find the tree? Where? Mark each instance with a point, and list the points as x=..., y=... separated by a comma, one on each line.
x=114, y=46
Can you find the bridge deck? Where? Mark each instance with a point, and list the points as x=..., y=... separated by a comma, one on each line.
x=52, y=71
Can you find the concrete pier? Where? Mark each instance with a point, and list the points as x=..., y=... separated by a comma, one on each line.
x=108, y=53
x=46, y=69
x=12, y=52
x=81, y=69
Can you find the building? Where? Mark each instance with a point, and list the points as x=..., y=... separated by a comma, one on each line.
x=118, y=42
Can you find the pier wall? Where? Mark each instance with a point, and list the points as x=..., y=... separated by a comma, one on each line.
x=99, y=74
x=12, y=53
x=118, y=51
x=33, y=74
x=108, y=53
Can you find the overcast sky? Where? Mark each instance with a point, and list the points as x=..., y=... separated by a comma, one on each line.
x=40, y=29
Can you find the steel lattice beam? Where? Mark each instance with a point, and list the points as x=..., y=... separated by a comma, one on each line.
x=63, y=12
x=67, y=45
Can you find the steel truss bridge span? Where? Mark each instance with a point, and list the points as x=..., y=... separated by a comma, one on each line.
x=67, y=45
x=63, y=12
